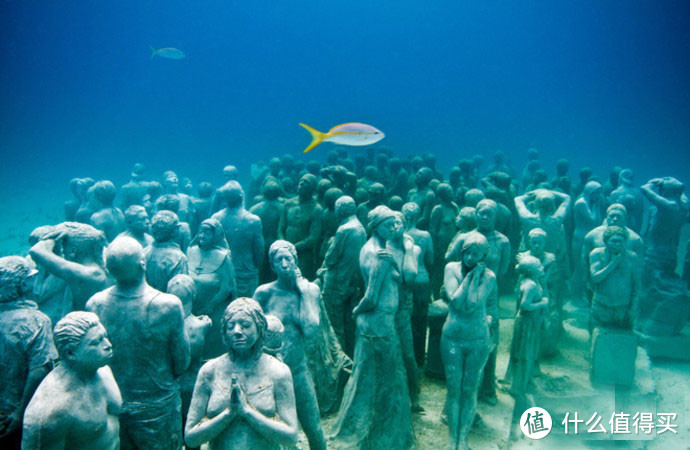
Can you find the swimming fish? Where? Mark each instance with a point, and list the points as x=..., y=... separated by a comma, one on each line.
x=168, y=52
x=351, y=133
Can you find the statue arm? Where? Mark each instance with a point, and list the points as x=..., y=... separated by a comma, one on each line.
x=42, y=253
x=489, y=289
x=454, y=247
x=283, y=429
x=562, y=209
x=598, y=271
x=179, y=342
x=258, y=244
x=198, y=428
x=428, y=253
x=521, y=207
x=336, y=249
x=282, y=223
x=528, y=300
x=435, y=221
x=227, y=289
x=505, y=259
x=653, y=197
x=409, y=268
x=377, y=275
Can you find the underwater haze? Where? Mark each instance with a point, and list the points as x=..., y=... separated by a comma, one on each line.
x=599, y=83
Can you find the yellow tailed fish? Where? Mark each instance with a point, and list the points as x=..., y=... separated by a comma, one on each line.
x=351, y=133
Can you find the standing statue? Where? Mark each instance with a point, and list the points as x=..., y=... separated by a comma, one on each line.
x=375, y=412
x=421, y=287
x=49, y=291
x=171, y=185
x=27, y=347
x=342, y=279
x=615, y=280
x=629, y=196
x=150, y=349
x=423, y=196
x=210, y=266
x=108, y=218
x=244, y=235
x=164, y=259
x=77, y=404
x=285, y=298
x=587, y=214
x=466, y=341
x=137, y=225
x=442, y=230
x=74, y=253
x=136, y=188
x=269, y=211
x=244, y=398
x=300, y=224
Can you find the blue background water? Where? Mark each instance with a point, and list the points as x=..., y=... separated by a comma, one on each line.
x=600, y=83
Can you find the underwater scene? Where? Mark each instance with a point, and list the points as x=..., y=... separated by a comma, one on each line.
x=376, y=225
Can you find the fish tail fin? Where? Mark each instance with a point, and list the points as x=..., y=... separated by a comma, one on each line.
x=317, y=137
x=153, y=52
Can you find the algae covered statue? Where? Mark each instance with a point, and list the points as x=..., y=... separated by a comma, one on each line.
x=77, y=404
x=244, y=398
x=164, y=258
x=465, y=340
x=150, y=349
x=26, y=344
x=375, y=412
x=244, y=235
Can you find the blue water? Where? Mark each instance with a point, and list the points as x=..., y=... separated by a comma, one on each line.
x=600, y=83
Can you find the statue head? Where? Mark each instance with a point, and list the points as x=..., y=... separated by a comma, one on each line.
x=537, y=241
x=529, y=266
x=473, y=196
x=486, y=211
x=616, y=214
x=104, y=191
x=412, y=213
x=394, y=164
x=168, y=202
x=466, y=167
x=331, y=196
x=416, y=163
x=274, y=166
x=532, y=154
x=170, y=181
x=211, y=235
x=429, y=160
x=615, y=238
x=381, y=222
x=345, y=207
x=614, y=175
x=81, y=242
x=467, y=219
x=454, y=176
x=82, y=342
x=16, y=278
x=307, y=186
x=544, y=201
x=165, y=226
x=445, y=192
x=137, y=219
x=625, y=177
x=396, y=203
x=230, y=172
x=499, y=157
x=423, y=177
x=371, y=173
x=592, y=189
x=182, y=286
x=243, y=328
x=671, y=188
x=124, y=259
x=273, y=340
x=283, y=257
x=271, y=188
x=398, y=226
x=138, y=171
x=322, y=186
x=377, y=193
x=474, y=249
x=205, y=189
x=313, y=167
x=332, y=158
x=585, y=174
x=232, y=194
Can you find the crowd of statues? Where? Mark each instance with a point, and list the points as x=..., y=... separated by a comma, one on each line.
x=156, y=316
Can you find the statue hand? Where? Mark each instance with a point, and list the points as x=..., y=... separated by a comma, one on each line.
x=46, y=244
x=386, y=256
x=241, y=405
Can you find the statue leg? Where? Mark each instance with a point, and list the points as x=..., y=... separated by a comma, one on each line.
x=451, y=354
x=334, y=299
x=308, y=407
x=475, y=359
x=421, y=300
x=404, y=326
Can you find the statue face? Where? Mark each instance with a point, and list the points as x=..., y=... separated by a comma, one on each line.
x=486, y=217
x=140, y=223
x=537, y=244
x=241, y=332
x=471, y=256
x=171, y=181
x=305, y=186
x=283, y=262
x=616, y=217
x=616, y=244
x=205, y=236
x=386, y=229
x=398, y=227
x=94, y=349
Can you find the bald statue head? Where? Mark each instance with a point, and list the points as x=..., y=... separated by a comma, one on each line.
x=345, y=207
x=124, y=259
x=232, y=194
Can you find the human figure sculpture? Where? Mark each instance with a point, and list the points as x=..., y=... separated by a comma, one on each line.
x=375, y=412
x=500, y=164
x=49, y=291
x=631, y=197
x=442, y=229
x=377, y=196
x=169, y=202
x=171, y=185
x=421, y=287
x=401, y=246
x=472, y=197
x=150, y=349
x=423, y=196
x=136, y=188
x=330, y=221
x=613, y=182
x=197, y=328
x=244, y=234
x=666, y=217
x=73, y=252
x=615, y=280
x=269, y=211
x=77, y=405
x=201, y=205
x=587, y=214
x=536, y=248
x=300, y=315
x=526, y=343
x=78, y=188
x=164, y=259
x=585, y=175
x=89, y=204
x=468, y=178
x=465, y=340
x=27, y=347
x=243, y=398
x=210, y=266
x=343, y=282
x=137, y=225
x=562, y=181
x=301, y=224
